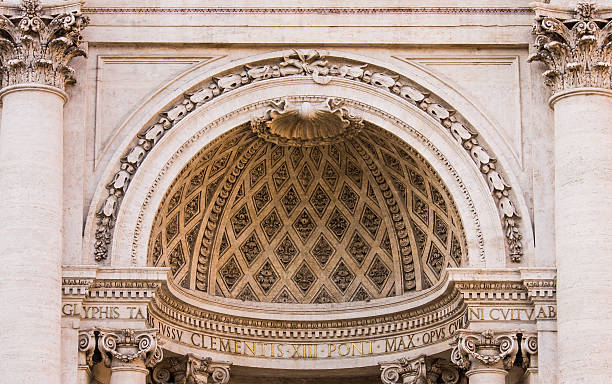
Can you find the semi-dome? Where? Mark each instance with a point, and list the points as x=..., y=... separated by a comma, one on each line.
x=359, y=217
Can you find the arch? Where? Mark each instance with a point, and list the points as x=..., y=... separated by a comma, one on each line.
x=402, y=100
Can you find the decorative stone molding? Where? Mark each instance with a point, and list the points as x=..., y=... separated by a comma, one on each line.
x=541, y=285
x=529, y=349
x=487, y=348
x=421, y=370
x=313, y=65
x=577, y=51
x=37, y=48
x=306, y=124
x=318, y=10
x=128, y=346
x=87, y=345
x=109, y=297
x=191, y=369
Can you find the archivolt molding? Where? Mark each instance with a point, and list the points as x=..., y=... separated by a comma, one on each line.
x=400, y=174
x=321, y=70
x=355, y=105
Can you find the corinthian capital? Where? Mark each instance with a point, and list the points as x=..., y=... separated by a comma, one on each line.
x=191, y=369
x=36, y=48
x=485, y=349
x=130, y=347
x=576, y=51
x=421, y=370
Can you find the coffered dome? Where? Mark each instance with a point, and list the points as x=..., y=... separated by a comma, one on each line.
x=361, y=217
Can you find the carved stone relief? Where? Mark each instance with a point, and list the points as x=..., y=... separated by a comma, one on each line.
x=37, y=48
x=420, y=370
x=309, y=223
x=191, y=369
x=321, y=70
x=576, y=51
x=491, y=349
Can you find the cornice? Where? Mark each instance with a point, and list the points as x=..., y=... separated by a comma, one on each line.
x=88, y=282
x=308, y=10
x=213, y=317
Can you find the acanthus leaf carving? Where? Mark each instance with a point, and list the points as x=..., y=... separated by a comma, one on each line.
x=315, y=65
x=191, y=369
x=576, y=51
x=128, y=345
x=37, y=48
x=486, y=348
x=420, y=370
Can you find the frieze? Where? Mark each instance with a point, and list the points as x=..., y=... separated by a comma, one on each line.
x=306, y=10
x=276, y=347
x=313, y=65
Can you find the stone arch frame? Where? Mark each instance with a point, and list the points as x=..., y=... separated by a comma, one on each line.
x=171, y=97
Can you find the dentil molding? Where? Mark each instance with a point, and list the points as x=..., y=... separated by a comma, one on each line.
x=37, y=48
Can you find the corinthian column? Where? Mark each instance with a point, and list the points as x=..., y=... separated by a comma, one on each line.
x=578, y=57
x=486, y=355
x=34, y=55
x=128, y=353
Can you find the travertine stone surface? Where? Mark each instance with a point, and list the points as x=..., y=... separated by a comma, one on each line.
x=168, y=82
x=583, y=151
x=30, y=232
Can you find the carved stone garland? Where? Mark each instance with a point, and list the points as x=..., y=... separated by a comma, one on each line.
x=191, y=369
x=306, y=63
x=421, y=370
x=35, y=48
x=488, y=348
x=128, y=345
x=577, y=51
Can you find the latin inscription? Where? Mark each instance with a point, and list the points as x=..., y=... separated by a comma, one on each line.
x=106, y=312
x=512, y=313
x=334, y=349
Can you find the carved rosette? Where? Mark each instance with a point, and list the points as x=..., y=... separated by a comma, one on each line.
x=576, y=51
x=420, y=370
x=306, y=124
x=128, y=346
x=490, y=349
x=35, y=48
x=191, y=369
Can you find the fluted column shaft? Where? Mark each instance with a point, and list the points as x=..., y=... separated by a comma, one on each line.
x=583, y=179
x=30, y=232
